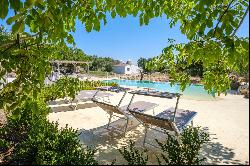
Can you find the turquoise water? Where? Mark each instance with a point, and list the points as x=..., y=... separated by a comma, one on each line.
x=196, y=92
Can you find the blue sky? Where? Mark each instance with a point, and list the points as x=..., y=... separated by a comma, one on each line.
x=124, y=38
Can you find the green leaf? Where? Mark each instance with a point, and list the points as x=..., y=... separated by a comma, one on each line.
x=12, y=19
x=218, y=32
x=113, y=14
x=96, y=25
x=70, y=39
x=88, y=26
x=4, y=5
x=245, y=45
x=146, y=19
x=229, y=29
x=15, y=112
x=32, y=26
x=29, y=3
x=18, y=27
x=141, y=20
x=209, y=23
x=15, y=4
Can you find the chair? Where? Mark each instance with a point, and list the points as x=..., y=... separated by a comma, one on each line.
x=155, y=93
x=88, y=95
x=113, y=88
x=168, y=120
x=138, y=106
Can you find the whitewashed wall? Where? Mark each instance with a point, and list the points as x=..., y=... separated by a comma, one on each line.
x=133, y=69
x=119, y=69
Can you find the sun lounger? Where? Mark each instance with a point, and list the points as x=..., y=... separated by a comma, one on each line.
x=112, y=88
x=139, y=106
x=88, y=95
x=155, y=93
x=167, y=121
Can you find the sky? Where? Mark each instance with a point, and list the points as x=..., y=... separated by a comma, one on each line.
x=124, y=39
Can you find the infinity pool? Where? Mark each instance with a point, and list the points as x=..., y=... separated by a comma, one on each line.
x=193, y=91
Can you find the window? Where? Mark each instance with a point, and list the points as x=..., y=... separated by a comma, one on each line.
x=128, y=69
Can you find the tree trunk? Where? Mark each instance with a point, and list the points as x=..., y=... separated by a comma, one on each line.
x=141, y=76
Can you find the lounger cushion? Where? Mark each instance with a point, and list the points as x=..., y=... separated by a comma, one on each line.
x=113, y=88
x=182, y=117
x=155, y=93
x=139, y=106
x=85, y=95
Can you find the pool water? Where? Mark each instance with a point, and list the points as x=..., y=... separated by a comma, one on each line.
x=193, y=91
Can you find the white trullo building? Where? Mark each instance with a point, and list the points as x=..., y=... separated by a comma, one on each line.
x=125, y=68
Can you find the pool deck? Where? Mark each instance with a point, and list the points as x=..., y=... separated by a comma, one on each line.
x=227, y=121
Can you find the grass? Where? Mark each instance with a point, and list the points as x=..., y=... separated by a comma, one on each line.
x=99, y=73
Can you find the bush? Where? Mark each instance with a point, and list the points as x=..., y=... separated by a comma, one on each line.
x=176, y=150
x=32, y=139
x=68, y=87
x=29, y=138
x=21, y=120
x=48, y=145
x=185, y=149
x=133, y=156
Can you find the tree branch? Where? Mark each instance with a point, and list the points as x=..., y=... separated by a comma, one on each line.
x=21, y=39
x=8, y=48
x=241, y=21
x=222, y=16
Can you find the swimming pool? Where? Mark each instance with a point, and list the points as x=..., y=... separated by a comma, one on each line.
x=193, y=91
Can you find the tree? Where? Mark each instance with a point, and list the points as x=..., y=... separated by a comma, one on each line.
x=102, y=63
x=142, y=65
x=218, y=60
x=195, y=69
x=108, y=67
x=210, y=27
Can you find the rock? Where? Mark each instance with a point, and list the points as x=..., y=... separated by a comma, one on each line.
x=234, y=85
x=3, y=119
x=243, y=83
x=245, y=92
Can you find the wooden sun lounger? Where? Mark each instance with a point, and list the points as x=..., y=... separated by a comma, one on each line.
x=167, y=121
x=139, y=106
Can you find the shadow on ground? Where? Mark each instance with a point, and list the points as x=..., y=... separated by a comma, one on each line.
x=217, y=153
x=107, y=143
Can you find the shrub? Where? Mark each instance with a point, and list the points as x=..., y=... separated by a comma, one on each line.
x=133, y=156
x=176, y=150
x=68, y=87
x=185, y=149
x=32, y=139
x=20, y=121
x=48, y=145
